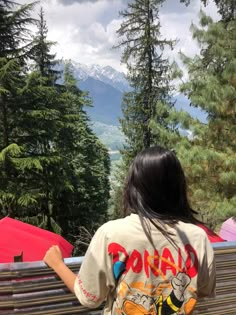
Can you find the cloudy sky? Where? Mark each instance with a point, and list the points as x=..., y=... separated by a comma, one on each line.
x=85, y=30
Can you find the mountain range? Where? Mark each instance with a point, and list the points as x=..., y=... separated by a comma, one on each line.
x=106, y=87
x=107, y=75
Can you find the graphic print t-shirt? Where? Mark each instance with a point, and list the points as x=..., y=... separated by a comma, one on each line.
x=122, y=267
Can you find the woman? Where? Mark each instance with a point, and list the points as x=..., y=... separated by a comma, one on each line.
x=153, y=261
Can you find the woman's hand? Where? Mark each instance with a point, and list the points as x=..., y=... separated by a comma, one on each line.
x=53, y=257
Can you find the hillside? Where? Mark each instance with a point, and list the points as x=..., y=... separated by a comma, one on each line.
x=106, y=101
x=106, y=86
x=110, y=135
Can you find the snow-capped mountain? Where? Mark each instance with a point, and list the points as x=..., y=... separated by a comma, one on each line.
x=107, y=75
x=106, y=86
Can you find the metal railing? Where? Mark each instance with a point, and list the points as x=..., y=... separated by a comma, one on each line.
x=33, y=289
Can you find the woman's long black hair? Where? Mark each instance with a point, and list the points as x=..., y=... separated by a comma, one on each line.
x=156, y=190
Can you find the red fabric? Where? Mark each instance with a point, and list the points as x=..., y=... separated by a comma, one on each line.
x=212, y=236
x=17, y=237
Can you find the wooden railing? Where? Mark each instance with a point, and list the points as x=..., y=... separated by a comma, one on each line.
x=225, y=301
x=33, y=289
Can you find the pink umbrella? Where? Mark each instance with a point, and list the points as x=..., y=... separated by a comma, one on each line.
x=32, y=242
x=228, y=229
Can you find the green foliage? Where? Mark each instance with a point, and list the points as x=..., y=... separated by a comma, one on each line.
x=14, y=33
x=88, y=161
x=110, y=135
x=210, y=157
x=148, y=74
x=10, y=82
x=14, y=169
x=53, y=169
x=117, y=179
x=148, y=110
x=44, y=61
x=226, y=8
x=11, y=150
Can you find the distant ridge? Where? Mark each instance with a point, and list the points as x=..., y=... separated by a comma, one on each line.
x=106, y=87
x=107, y=75
x=106, y=101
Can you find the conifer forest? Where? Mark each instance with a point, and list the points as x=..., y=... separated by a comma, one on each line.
x=54, y=170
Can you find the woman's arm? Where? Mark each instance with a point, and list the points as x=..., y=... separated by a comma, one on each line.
x=53, y=258
x=95, y=278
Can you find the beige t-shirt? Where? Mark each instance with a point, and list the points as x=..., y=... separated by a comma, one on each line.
x=122, y=267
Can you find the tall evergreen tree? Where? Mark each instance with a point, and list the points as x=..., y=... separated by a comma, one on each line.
x=148, y=110
x=86, y=162
x=15, y=40
x=210, y=157
x=148, y=73
x=54, y=172
x=14, y=48
x=14, y=44
x=44, y=61
x=40, y=123
x=226, y=8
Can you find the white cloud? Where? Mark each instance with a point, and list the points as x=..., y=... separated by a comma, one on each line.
x=85, y=30
x=175, y=24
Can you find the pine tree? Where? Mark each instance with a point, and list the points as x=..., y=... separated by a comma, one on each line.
x=82, y=199
x=148, y=109
x=226, y=8
x=86, y=163
x=40, y=123
x=44, y=61
x=14, y=47
x=148, y=74
x=54, y=170
x=14, y=43
x=15, y=40
x=210, y=157
x=31, y=118
x=13, y=162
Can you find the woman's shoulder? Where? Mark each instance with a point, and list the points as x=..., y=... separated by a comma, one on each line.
x=192, y=231
x=191, y=227
x=121, y=226
x=121, y=222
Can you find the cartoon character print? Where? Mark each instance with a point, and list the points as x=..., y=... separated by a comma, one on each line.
x=141, y=304
x=139, y=298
